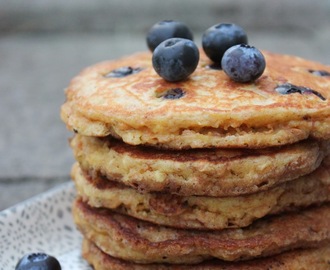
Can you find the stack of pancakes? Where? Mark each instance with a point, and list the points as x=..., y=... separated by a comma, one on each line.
x=204, y=173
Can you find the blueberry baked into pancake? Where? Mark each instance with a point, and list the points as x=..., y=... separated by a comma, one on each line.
x=215, y=157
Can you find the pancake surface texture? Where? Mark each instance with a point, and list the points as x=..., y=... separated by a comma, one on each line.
x=209, y=172
x=308, y=259
x=201, y=212
x=206, y=110
x=130, y=239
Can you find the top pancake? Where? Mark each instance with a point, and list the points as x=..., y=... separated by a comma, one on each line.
x=213, y=111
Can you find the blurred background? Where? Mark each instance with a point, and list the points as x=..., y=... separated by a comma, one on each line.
x=44, y=43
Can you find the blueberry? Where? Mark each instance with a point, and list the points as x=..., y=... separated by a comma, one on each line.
x=289, y=88
x=220, y=37
x=173, y=93
x=243, y=63
x=175, y=59
x=321, y=73
x=167, y=29
x=122, y=72
x=38, y=261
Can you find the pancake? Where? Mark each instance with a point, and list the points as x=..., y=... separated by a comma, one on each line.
x=209, y=172
x=130, y=239
x=311, y=259
x=201, y=212
x=206, y=110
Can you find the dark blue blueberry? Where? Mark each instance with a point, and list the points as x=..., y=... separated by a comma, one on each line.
x=173, y=93
x=38, y=261
x=218, y=38
x=289, y=88
x=175, y=59
x=167, y=29
x=122, y=72
x=243, y=63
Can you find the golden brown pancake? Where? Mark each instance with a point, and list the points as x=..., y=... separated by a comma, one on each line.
x=305, y=259
x=201, y=212
x=130, y=239
x=206, y=110
x=209, y=172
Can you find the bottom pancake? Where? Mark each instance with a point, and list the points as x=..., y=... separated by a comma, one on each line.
x=311, y=259
x=130, y=239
